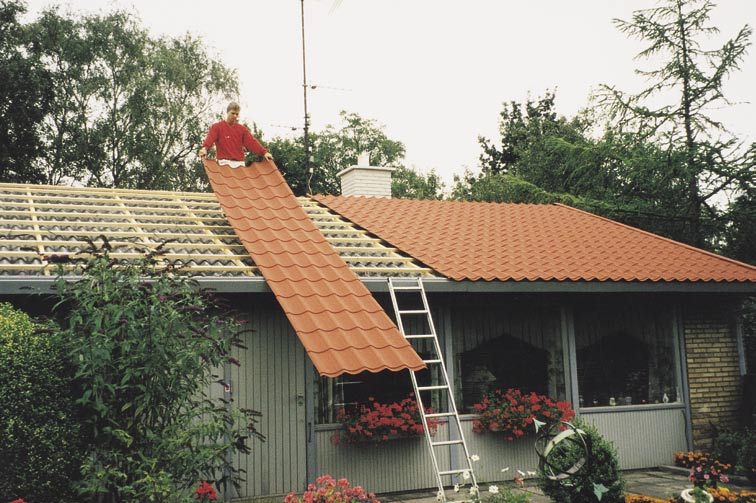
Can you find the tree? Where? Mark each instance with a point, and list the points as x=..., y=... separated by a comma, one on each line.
x=144, y=342
x=553, y=152
x=127, y=110
x=24, y=95
x=708, y=160
x=410, y=184
x=185, y=85
x=332, y=150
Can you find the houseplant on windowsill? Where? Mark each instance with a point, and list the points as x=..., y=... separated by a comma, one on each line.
x=513, y=412
x=376, y=422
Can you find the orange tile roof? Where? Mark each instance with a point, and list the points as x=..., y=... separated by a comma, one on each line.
x=340, y=324
x=529, y=242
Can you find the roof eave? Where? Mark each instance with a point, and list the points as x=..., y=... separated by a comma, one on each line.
x=26, y=285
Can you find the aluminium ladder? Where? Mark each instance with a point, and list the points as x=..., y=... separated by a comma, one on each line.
x=408, y=286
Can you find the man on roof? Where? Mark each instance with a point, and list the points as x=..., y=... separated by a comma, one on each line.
x=230, y=138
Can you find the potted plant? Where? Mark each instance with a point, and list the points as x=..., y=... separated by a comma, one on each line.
x=376, y=422
x=703, y=476
x=513, y=412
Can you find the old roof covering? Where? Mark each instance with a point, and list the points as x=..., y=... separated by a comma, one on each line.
x=342, y=327
x=37, y=221
x=526, y=242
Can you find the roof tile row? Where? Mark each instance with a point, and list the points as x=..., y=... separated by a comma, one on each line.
x=528, y=242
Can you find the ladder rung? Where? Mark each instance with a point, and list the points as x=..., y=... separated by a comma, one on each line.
x=413, y=311
x=420, y=336
x=453, y=472
x=430, y=388
x=440, y=414
x=446, y=442
x=414, y=287
x=432, y=361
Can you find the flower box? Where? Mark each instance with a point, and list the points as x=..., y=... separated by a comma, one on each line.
x=376, y=422
x=513, y=413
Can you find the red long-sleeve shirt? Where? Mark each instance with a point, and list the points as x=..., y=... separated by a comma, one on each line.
x=229, y=139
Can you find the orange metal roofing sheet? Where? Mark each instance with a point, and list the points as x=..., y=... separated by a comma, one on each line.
x=340, y=324
x=528, y=242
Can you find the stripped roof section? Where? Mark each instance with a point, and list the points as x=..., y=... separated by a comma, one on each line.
x=340, y=324
x=39, y=221
x=528, y=242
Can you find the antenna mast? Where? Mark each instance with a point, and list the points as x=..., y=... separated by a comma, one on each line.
x=306, y=115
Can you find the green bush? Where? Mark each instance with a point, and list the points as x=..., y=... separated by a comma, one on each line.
x=144, y=342
x=602, y=469
x=39, y=448
x=747, y=457
x=726, y=446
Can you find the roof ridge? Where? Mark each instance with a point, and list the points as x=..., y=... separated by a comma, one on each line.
x=659, y=237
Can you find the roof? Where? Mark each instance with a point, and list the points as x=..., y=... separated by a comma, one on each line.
x=340, y=324
x=39, y=221
x=528, y=242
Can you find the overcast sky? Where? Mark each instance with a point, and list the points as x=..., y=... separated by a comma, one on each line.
x=434, y=72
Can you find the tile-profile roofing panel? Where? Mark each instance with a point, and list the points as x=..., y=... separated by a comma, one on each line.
x=530, y=242
x=342, y=327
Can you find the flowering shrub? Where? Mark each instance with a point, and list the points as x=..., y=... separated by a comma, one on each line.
x=378, y=422
x=513, y=412
x=694, y=459
x=725, y=494
x=329, y=490
x=703, y=476
x=205, y=492
x=638, y=498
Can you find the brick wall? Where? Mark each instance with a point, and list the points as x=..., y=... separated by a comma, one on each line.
x=713, y=373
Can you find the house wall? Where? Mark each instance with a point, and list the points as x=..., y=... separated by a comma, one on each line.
x=271, y=380
x=713, y=371
x=405, y=465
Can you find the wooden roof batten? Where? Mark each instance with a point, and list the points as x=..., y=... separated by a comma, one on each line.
x=39, y=221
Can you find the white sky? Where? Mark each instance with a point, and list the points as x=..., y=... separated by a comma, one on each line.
x=434, y=72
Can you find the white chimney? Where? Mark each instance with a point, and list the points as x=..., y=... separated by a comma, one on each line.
x=366, y=180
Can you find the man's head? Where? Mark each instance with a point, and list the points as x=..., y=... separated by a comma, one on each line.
x=232, y=112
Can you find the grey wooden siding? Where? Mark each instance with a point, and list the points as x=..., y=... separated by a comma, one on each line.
x=496, y=454
x=397, y=465
x=643, y=438
x=271, y=381
x=403, y=465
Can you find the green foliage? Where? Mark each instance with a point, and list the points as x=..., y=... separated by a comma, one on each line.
x=145, y=343
x=40, y=449
x=122, y=109
x=726, y=445
x=708, y=160
x=602, y=469
x=502, y=494
x=24, y=95
x=410, y=184
x=746, y=464
x=332, y=150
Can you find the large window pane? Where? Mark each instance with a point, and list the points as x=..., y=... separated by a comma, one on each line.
x=626, y=354
x=508, y=346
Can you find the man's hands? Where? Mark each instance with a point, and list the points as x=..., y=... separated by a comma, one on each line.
x=268, y=156
x=202, y=152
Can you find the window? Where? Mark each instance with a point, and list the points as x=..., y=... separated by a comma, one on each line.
x=515, y=347
x=626, y=355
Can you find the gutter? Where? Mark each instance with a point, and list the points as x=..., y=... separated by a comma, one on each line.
x=34, y=285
